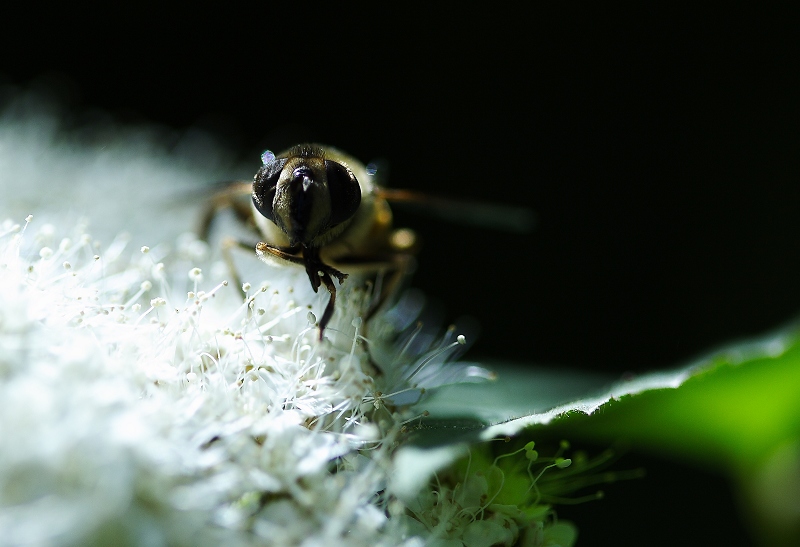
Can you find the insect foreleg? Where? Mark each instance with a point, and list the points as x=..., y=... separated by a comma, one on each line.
x=318, y=273
x=328, y=313
x=290, y=254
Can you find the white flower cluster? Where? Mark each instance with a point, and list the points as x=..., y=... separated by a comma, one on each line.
x=145, y=401
x=134, y=415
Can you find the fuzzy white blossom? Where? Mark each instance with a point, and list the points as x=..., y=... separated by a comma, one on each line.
x=147, y=401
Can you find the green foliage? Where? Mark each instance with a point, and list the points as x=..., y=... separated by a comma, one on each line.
x=736, y=412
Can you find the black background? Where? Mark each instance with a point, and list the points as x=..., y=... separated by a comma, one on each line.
x=657, y=146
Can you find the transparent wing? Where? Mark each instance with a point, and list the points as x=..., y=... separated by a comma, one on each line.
x=501, y=217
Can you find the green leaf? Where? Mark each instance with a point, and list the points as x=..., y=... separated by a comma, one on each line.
x=736, y=411
x=732, y=406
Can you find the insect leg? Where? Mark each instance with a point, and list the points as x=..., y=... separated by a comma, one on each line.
x=328, y=313
x=401, y=266
x=318, y=273
x=230, y=243
x=290, y=254
x=228, y=198
x=390, y=269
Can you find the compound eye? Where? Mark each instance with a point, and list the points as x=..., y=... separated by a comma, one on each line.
x=344, y=190
x=264, y=184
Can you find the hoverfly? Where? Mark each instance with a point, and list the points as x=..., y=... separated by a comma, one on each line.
x=318, y=208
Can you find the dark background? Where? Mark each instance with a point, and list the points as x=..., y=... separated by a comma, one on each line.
x=658, y=148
